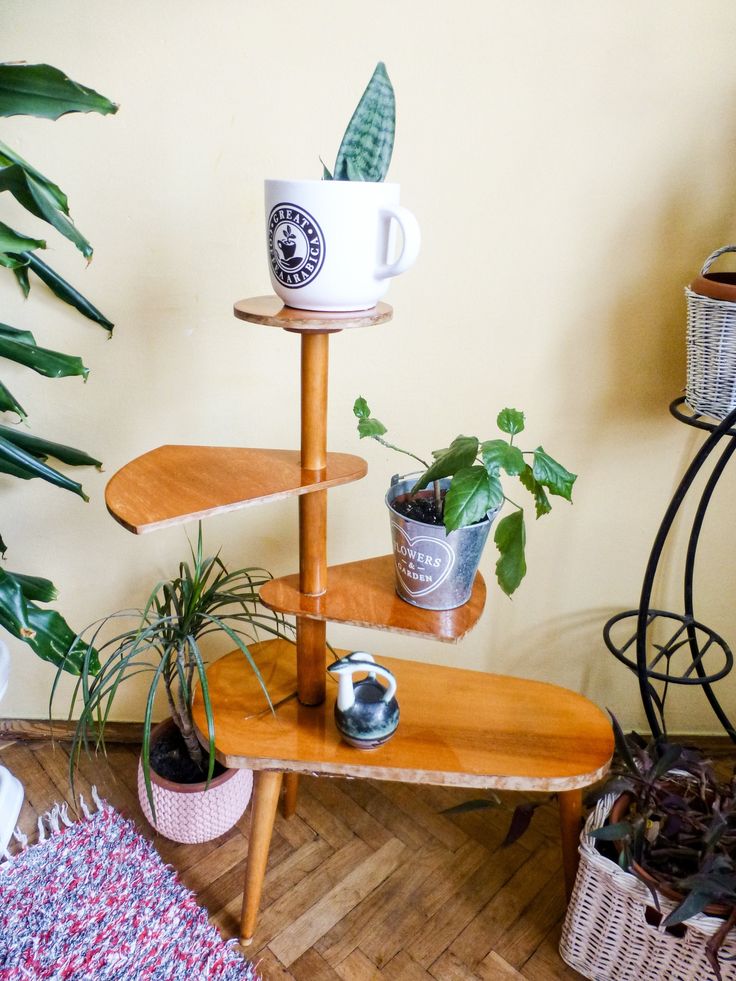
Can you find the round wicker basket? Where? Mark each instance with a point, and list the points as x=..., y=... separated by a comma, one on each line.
x=711, y=340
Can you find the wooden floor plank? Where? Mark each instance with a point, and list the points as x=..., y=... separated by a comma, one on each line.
x=314, y=923
x=368, y=880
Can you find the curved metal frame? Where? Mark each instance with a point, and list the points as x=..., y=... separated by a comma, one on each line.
x=652, y=702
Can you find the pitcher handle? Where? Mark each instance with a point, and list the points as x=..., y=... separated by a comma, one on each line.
x=362, y=657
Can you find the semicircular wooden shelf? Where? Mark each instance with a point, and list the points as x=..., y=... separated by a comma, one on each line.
x=174, y=484
x=363, y=594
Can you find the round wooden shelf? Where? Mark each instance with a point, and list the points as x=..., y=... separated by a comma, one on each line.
x=269, y=311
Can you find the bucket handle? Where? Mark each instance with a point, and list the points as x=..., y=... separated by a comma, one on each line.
x=714, y=255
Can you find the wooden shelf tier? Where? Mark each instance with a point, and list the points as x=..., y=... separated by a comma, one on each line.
x=175, y=484
x=363, y=594
x=458, y=727
x=269, y=311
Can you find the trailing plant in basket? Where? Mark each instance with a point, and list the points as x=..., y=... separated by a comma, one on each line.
x=165, y=640
x=45, y=92
x=477, y=468
x=366, y=148
x=677, y=828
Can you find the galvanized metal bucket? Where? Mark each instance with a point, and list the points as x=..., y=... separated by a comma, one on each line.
x=434, y=570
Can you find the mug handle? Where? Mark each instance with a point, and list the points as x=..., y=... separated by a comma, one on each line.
x=412, y=240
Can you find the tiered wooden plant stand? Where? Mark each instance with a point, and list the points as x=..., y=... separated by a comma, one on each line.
x=458, y=727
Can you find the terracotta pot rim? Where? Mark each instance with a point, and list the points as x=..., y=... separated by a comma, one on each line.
x=185, y=788
x=715, y=286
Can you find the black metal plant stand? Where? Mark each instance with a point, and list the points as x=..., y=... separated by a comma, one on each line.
x=693, y=654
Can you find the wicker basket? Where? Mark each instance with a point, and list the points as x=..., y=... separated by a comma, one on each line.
x=711, y=340
x=607, y=935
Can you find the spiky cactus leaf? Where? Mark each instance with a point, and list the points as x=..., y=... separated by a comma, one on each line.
x=366, y=148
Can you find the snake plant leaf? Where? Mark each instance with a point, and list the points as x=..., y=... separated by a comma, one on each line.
x=553, y=475
x=17, y=456
x=9, y=403
x=541, y=501
x=14, y=471
x=510, y=539
x=472, y=493
x=65, y=291
x=43, y=448
x=12, y=241
x=461, y=453
x=35, y=588
x=368, y=142
x=36, y=198
x=52, y=364
x=9, y=156
x=45, y=91
x=3, y=546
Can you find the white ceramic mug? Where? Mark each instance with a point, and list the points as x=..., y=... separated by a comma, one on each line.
x=329, y=242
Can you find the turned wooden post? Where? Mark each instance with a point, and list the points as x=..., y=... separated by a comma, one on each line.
x=311, y=634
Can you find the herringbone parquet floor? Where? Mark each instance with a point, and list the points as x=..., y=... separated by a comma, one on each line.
x=366, y=881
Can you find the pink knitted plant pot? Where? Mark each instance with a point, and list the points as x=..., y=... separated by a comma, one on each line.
x=188, y=813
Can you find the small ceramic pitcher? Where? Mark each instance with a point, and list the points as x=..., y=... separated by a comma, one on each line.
x=366, y=712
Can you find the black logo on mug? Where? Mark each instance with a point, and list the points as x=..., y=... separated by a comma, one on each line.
x=296, y=245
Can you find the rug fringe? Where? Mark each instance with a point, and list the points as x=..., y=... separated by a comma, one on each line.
x=53, y=821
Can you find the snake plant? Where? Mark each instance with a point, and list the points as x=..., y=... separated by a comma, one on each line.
x=366, y=148
x=46, y=92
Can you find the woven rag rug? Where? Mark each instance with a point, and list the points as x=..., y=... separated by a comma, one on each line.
x=92, y=901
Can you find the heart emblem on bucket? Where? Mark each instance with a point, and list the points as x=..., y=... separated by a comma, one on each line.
x=422, y=562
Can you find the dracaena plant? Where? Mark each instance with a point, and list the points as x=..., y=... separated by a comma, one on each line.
x=677, y=830
x=477, y=469
x=165, y=639
x=46, y=92
x=366, y=148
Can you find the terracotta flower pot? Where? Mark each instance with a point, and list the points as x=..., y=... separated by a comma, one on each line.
x=189, y=813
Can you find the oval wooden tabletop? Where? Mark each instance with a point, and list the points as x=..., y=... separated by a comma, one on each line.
x=269, y=311
x=457, y=727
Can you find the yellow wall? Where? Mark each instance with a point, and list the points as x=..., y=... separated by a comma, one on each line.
x=571, y=165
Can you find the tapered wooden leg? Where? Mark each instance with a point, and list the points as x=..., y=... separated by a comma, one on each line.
x=291, y=791
x=571, y=807
x=266, y=790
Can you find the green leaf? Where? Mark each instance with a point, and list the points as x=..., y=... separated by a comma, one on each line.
x=553, y=475
x=326, y=175
x=17, y=456
x=36, y=198
x=368, y=142
x=16, y=334
x=497, y=454
x=622, y=746
x=510, y=421
x=12, y=261
x=694, y=902
x=370, y=427
x=510, y=539
x=612, y=832
x=35, y=588
x=52, y=364
x=541, y=501
x=9, y=156
x=12, y=241
x=3, y=546
x=472, y=493
x=42, y=448
x=9, y=403
x=66, y=292
x=42, y=90
x=361, y=408
x=460, y=454
x=21, y=274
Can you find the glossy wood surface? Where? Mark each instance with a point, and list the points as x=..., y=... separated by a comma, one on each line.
x=174, y=484
x=457, y=728
x=269, y=311
x=364, y=594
